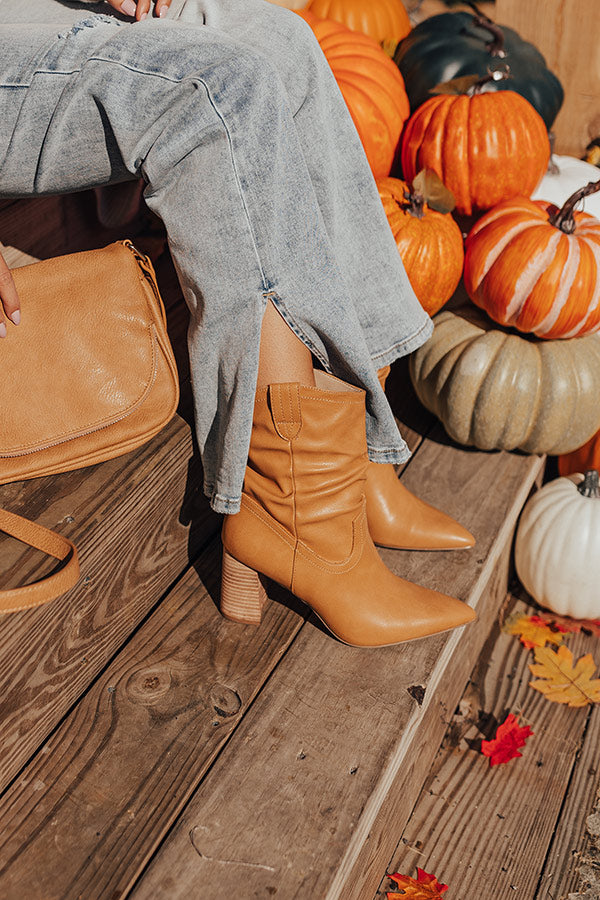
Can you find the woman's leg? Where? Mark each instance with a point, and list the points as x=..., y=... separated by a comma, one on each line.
x=207, y=124
x=283, y=356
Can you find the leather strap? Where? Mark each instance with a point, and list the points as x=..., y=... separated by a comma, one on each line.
x=50, y=587
x=285, y=409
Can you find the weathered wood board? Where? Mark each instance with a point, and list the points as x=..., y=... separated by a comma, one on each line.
x=567, y=32
x=86, y=814
x=298, y=802
x=485, y=831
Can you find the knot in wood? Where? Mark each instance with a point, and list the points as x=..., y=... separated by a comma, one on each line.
x=148, y=686
x=225, y=701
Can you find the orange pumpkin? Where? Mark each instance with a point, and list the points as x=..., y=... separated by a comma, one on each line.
x=587, y=457
x=383, y=20
x=534, y=268
x=371, y=86
x=430, y=243
x=486, y=148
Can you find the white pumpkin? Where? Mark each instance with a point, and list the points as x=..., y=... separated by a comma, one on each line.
x=557, y=548
x=572, y=174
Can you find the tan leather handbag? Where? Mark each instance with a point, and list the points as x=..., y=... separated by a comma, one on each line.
x=89, y=374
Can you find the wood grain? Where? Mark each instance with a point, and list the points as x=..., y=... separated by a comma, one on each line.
x=296, y=804
x=571, y=847
x=567, y=32
x=485, y=831
x=137, y=521
x=86, y=814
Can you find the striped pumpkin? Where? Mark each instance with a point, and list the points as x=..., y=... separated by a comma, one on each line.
x=528, y=273
x=485, y=148
x=370, y=84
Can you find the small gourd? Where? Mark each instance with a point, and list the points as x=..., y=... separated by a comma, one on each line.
x=429, y=241
x=557, y=547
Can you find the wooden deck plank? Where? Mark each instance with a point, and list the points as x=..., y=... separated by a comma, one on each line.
x=336, y=742
x=88, y=811
x=130, y=553
x=486, y=831
x=572, y=850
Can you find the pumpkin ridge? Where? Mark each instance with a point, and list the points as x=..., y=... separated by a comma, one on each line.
x=349, y=76
x=500, y=244
x=382, y=118
x=593, y=311
x=569, y=274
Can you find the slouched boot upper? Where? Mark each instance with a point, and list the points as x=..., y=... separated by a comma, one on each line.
x=303, y=519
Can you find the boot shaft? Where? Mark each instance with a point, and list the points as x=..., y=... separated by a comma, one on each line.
x=307, y=461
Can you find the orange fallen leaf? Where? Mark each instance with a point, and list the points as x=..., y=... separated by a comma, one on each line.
x=509, y=737
x=533, y=631
x=561, y=681
x=423, y=887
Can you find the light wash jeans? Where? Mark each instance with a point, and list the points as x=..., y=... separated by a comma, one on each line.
x=228, y=111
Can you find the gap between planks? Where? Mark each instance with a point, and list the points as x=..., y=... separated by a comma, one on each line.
x=467, y=810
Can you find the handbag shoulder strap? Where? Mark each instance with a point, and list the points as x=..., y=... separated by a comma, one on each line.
x=50, y=587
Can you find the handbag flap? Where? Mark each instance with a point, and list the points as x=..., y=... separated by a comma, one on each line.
x=85, y=353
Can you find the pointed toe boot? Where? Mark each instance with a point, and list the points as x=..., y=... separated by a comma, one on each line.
x=303, y=523
x=399, y=520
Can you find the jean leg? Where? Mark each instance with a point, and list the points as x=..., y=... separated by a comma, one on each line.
x=206, y=122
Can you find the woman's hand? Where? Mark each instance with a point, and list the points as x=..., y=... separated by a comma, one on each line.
x=9, y=301
x=139, y=9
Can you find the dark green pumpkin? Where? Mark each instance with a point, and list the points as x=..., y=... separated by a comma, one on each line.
x=451, y=44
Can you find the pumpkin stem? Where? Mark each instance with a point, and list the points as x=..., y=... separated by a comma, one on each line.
x=590, y=486
x=564, y=218
x=501, y=73
x=416, y=202
x=496, y=46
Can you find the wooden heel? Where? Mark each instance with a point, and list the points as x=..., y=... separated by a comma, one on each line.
x=242, y=593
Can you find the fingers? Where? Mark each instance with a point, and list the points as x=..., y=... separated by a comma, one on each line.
x=143, y=8
x=161, y=8
x=9, y=301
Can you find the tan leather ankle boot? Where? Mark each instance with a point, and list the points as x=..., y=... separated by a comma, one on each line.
x=400, y=520
x=303, y=523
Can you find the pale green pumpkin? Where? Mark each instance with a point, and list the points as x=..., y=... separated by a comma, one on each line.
x=495, y=389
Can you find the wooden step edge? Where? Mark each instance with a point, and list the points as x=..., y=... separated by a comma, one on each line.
x=349, y=881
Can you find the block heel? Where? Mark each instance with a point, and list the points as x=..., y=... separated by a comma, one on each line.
x=242, y=593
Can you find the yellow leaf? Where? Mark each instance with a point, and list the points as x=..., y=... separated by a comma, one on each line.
x=532, y=631
x=563, y=682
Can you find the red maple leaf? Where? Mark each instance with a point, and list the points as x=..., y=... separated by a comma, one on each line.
x=509, y=736
x=424, y=887
x=567, y=623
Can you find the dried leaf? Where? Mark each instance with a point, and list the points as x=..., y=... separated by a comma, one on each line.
x=533, y=631
x=424, y=887
x=568, y=624
x=509, y=737
x=563, y=682
x=456, y=85
x=434, y=191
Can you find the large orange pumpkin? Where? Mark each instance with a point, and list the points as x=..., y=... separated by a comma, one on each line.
x=371, y=86
x=430, y=243
x=486, y=148
x=529, y=273
x=383, y=20
x=587, y=457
